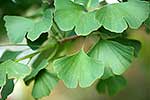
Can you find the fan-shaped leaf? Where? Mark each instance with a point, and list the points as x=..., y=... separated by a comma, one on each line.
x=44, y=83
x=69, y=15
x=35, y=71
x=78, y=68
x=115, y=56
x=112, y=85
x=17, y=26
x=12, y=70
x=117, y=17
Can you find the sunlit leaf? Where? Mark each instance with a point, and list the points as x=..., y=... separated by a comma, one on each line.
x=78, y=68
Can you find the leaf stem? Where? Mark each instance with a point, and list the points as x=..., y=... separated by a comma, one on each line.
x=69, y=38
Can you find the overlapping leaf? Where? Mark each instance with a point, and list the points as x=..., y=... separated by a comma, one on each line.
x=78, y=68
x=115, y=56
x=130, y=42
x=117, y=17
x=12, y=69
x=44, y=83
x=69, y=15
x=88, y=3
x=111, y=85
x=17, y=27
x=9, y=55
x=7, y=89
x=36, y=70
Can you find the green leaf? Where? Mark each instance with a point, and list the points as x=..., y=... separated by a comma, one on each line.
x=12, y=70
x=88, y=3
x=43, y=84
x=35, y=71
x=69, y=15
x=7, y=89
x=17, y=27
x=115, y=56
x=112, y=85
x=130, y=42
x=78, y=68
x=117, y=17
x=9, y=55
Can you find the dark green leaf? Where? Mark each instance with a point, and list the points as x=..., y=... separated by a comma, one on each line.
x=7, y=89
x=112, y=85
x=9, y=55
x=38, y=42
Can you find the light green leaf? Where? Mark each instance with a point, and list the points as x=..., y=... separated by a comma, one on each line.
x=12, y=70
x=69, y=15
x=115, y=56
x=17, y=27
x=112, y=85
x=36, y=70
x=43, y=84
x=78, y=68
x=117, y=17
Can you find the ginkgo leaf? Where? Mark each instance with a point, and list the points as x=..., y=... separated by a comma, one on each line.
x=7, y=89
x=12, y=70
x=112, y=85
x=78, y=68
x=44, y=83
x=88, y=3
x=117, y=17
x=130, y=42
x=69, y=15
x=17, y=27
x=9, y=55
x=35, y=71
x=115, y=56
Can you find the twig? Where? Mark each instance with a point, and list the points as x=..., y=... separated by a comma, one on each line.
x=69, y=38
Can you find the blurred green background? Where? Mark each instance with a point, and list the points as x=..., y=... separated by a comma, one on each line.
x=138, y=75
